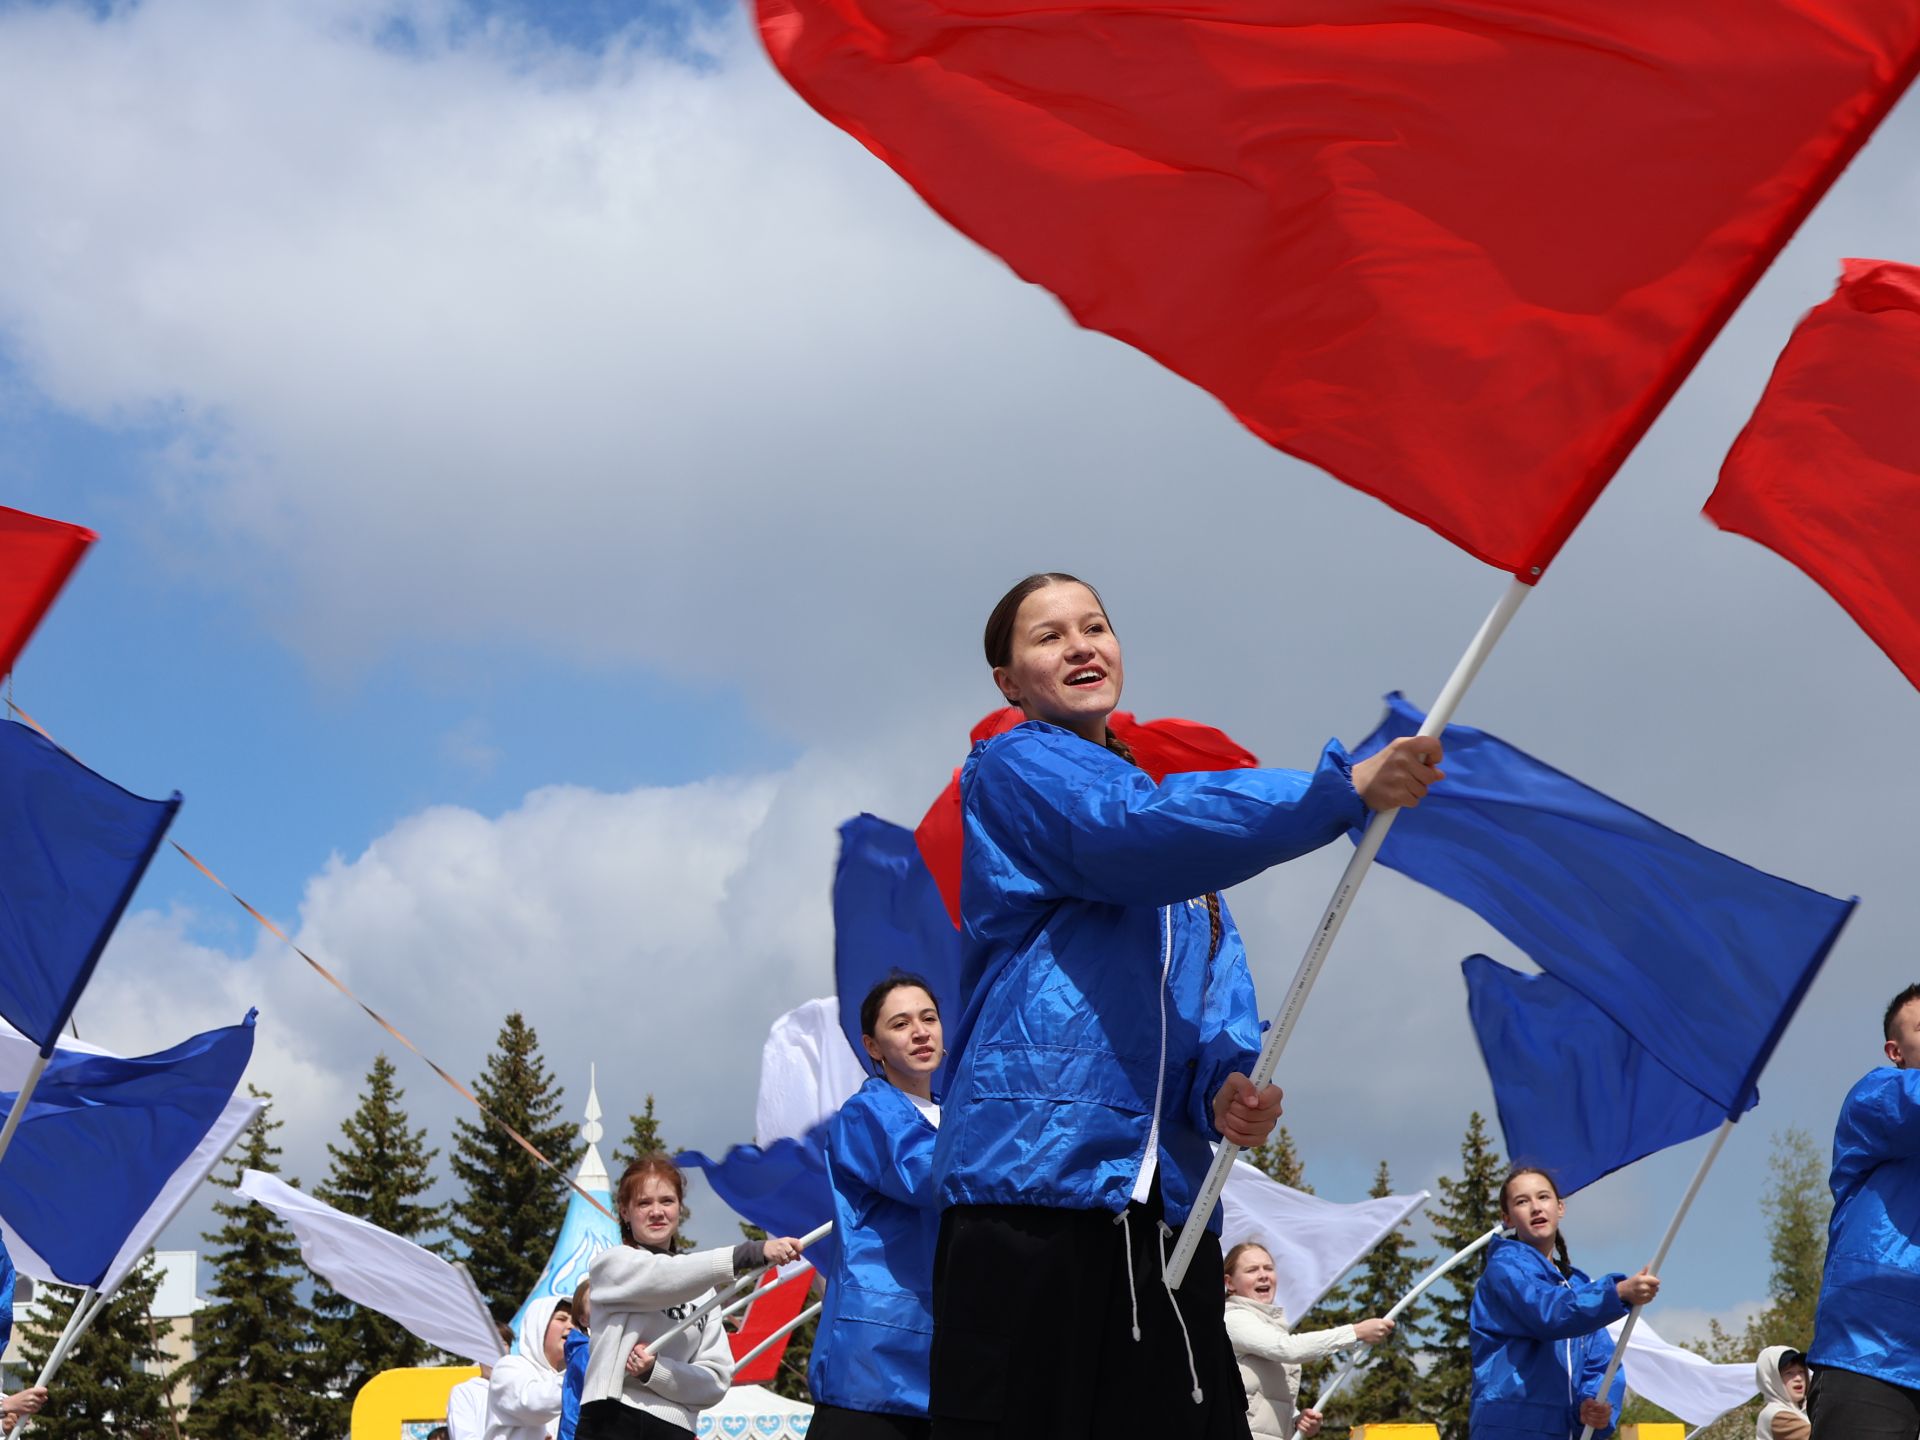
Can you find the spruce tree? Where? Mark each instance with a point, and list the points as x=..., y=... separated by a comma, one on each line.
x=1469, y=1206
x=1389, y=1391
x=643, y=1138
x=254, y=1371
x=113, y=1381
x=513, y=1205
x=379, y=1174
x=1277, y=1159
x=1798, y=1205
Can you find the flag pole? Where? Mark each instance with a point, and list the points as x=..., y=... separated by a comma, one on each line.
x=27, y=1087
x=1458, y=1258
x=720, y=1297
x=800, y=1272
x=1336, y=912
x=1660, y=1256
x=785, y=1330
x=85, y=1309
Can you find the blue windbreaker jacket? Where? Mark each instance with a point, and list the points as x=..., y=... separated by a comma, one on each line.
x=1868, y=1320
x=1540, y=1346
x=573, y=1381
x=1095, y=1026
x=876, y=1323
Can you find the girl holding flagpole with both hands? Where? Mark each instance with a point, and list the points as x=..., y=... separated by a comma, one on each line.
x=868, y=1373
x=638, y=1291
x=1109, y=1025
x=1538, y=1325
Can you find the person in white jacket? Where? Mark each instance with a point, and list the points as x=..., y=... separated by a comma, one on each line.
x=1270, y=1354
x=523, y=1393
x=1782, y=1375
x=636, y=1389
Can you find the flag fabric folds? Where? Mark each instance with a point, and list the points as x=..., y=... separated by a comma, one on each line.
x=888, y=915
x=16, y=1059
x=1827, y=472
x=1701, y=958
x=36, y=557
x=1459, y=255
x=102, y=1137
x=1689, y=1385
x=1313, y=1241
x=807, y=1071
x=1163, y=747
x=1575, y=1092
x=782, y=1187
x=429, y=1297
x=72, y=848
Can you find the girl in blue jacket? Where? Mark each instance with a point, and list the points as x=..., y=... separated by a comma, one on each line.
x=1109, y=1023
x=1540, y=1342
x=868, y=1374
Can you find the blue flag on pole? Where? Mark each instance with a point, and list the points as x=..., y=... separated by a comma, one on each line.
x=72, y=848
x=1575, y=1092
x=1700, y=958
x=782, y=1187
x=101, y=1137
x=888, y=915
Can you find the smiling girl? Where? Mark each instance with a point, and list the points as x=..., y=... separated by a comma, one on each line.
x=1109, y=1025
x=640, y=1289
x=869, y=1369
x=1540, y=1346
x=1270, y=1354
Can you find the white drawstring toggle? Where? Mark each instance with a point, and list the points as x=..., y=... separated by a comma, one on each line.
x=1133, y=1300
x=1193, y=1372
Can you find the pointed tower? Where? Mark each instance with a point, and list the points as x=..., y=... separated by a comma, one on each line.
x=585, y=1231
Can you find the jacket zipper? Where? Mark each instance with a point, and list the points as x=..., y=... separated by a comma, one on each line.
x=1143, y=1183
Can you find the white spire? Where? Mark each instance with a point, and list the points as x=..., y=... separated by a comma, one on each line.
x=592, y=1174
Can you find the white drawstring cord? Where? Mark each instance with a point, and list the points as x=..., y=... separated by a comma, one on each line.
x=1133, y=1299
x=1192, y=1370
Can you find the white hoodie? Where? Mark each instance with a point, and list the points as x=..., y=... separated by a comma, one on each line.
x=523, y=1397
x=1270, y=1357
x=467, y=1410
x=1782, y=1417
x=637, y=1294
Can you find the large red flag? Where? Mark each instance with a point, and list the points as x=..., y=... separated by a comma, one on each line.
x=1160, y=747
x=1827, y=472
x=1458, y=253
x=36, y=556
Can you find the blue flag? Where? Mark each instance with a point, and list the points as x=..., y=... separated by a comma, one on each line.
x=1576, y=1093
x=1700, y=958
x=72, y=848
x=888, y=915
x=101, y=1137
x=782, y=1188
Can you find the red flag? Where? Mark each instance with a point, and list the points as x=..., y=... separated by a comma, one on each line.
x=1161, y=748
x=1827, y=472
x=36, y=556
x=765, y=1315
x=1459, y=253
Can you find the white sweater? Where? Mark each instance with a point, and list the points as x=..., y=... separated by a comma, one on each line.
x=1270, y=1357
x=637, y=1295
x=523, y=1393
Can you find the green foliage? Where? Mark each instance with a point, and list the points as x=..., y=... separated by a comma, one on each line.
x=513, y=1205
x=1469, y=1205
x=113, y=1382
x=255, y=1372
x=379, y=1174
x=643, y=1138
x=1279, y=1160
x=1391, y=1388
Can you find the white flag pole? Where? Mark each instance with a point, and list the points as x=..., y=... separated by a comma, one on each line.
x=795, y=1323
x=1660, y=1258
x=27, y=1087
x=1458, y=1258
x=85, y=1309
x=799, y=1272
x=720, y=1297
x=1336, y=912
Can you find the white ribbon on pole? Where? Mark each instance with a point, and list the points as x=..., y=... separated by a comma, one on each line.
x=720, y=1297
x=1336, y=912
x=785, y=1330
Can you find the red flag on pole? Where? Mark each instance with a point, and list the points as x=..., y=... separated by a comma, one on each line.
x=1160, y=747
x=1459, y=254
x=1827, y=472
x=36, y=556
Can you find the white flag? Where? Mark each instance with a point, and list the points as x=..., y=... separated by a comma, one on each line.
x=1690, y=1385
x=413, y=1287
x=16, y=1058
x=807, y=1072
x=1313, y=1241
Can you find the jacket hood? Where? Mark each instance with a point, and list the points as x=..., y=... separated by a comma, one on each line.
x=1766, y=1370
x=531, y=1344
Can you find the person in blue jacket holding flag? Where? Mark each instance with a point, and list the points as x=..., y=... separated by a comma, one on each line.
x=868, y=1373
x=1538, y=1325
x=1108, y=1029
x=1866, y=1328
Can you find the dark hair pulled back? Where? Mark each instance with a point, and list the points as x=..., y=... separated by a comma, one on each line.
x=1561, y=1259
x=999, y=636
x=1900, y=1002
x=877, y=996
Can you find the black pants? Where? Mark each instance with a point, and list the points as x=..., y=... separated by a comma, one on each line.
x=1846, y=1406
x=830, y=1422
x=617, y=1420
x=1034, y=1329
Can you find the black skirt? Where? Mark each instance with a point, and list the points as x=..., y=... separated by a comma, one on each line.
x=830, y=1422
x=616, y=1420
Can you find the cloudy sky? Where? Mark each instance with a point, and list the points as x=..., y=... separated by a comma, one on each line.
x=547, y=478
